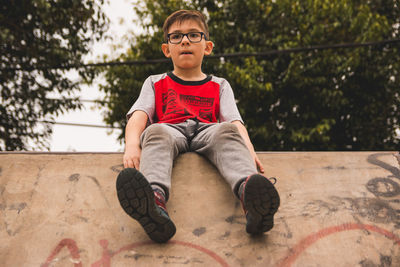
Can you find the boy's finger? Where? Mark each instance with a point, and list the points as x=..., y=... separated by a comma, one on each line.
x=136, y=164
x=260, y=166
x=129, y=164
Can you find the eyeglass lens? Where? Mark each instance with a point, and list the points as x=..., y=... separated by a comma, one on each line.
x=194, y=37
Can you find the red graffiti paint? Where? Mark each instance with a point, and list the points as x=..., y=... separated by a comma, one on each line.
x=73, y=250
x=311, y=239
x=105, y=260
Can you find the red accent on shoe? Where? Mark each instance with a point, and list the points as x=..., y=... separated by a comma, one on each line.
x=242, y=194
x=160, y=200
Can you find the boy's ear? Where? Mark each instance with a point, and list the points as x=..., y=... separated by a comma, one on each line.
x=209, y=48
x=165, y=49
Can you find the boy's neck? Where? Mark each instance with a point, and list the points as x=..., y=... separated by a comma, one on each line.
x=189, y=75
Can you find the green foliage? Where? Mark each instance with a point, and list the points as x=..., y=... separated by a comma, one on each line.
x=336, y=99
x=41, y=33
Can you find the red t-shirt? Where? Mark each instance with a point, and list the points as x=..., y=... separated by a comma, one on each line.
x=168, y=99
x=177, y=100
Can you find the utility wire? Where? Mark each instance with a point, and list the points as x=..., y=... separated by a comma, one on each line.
x=78, y=124
x=216, y=56
x=94, y=101
x=81, y=100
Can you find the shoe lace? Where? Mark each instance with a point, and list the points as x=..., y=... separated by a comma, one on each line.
x=273, y=180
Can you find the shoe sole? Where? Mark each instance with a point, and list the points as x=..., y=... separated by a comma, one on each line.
x=261, y=201
x=137, y=199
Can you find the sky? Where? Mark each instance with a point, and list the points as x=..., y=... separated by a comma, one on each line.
x=89, y=139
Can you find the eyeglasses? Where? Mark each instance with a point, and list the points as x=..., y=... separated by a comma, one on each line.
x=194, y=37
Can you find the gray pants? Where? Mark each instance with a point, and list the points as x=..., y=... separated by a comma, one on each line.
x=221, y=143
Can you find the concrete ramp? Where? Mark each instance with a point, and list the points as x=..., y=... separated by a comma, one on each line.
x=337, y=209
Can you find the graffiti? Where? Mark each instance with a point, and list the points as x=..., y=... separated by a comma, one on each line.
x=107, y=254
x=199, y=231
x=74, y=177
x=73, y=250
x=398, y=158
x=383, y=187
x=18, y=207
x=372, y=209
x=385, y=261
x=386, y=187
x=306, y=242
x=377, y=210
x=382, y=209
x=117, y=168
x=373, y=159
x=236, y=219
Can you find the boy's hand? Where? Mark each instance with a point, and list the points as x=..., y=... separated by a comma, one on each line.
x=259, y=165
x=134, y=128
x=132, y=157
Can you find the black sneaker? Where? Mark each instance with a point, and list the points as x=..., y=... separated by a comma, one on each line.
x=139, y=201
x=260, y=201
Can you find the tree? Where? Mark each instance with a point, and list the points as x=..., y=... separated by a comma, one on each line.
x=36, y=35
x=331, y=99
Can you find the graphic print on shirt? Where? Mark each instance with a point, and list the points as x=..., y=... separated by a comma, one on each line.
x=205, y=104
x=206, y=114
x=170, y=104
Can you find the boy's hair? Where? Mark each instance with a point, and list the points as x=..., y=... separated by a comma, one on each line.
x=183, y=15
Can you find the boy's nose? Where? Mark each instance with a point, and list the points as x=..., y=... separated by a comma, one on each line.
x=185, y=39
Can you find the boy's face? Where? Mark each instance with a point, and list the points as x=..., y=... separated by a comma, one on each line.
x=186, y=54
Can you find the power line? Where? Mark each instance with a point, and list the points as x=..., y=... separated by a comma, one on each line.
x=96, y=101
x=78, y=124
x=216, y=56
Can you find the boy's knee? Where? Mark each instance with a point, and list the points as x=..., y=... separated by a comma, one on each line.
x=226, y=127
x=156, y=132
x=227, y=130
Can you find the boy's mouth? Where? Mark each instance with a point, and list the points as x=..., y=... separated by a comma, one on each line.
x=186, y=53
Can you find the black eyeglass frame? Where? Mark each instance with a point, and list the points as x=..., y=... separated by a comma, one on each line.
x=187, y=35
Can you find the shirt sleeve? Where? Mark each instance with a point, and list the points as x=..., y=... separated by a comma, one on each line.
x=228, y=109
x=145, y=101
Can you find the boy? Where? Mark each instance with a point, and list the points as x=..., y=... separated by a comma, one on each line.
x=188, y=111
